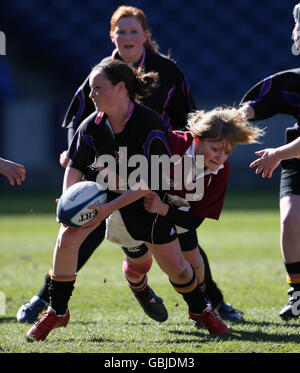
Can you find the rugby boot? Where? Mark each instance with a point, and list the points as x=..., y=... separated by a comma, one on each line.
x=292, y=309
x=153, y=306
x=47, y=322
x=228, y=313
x=210, y=321
x=30, y=310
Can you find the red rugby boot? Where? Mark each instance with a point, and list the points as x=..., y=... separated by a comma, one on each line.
x=210, y=321
x=48, y=321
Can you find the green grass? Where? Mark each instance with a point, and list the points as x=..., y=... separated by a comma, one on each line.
x=243, y=248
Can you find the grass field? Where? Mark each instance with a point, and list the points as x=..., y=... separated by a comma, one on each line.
x=243, y=248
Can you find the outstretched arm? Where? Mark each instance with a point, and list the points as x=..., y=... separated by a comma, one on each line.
x=271, y=157
x=13, y=171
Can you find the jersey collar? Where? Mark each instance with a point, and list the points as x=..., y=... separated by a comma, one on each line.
x=100, y=115
x=140, y=63
x=190, y=152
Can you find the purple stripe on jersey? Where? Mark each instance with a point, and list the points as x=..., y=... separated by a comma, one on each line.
x=76, y=149
x=164, y=115
x=156, y=134
x=170, y=94
x=89, y=140
x=186, y=90
x=166, y=119
x=266, y=86
x=292, y=98
x=80, y=97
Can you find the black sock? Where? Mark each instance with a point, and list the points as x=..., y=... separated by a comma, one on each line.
x=87, y=248
x=293, y=274
x=60, y=293
x=192, y=294
x=44, y=291
x=212, y=292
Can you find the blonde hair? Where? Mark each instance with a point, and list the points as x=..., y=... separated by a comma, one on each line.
x=223, y=124
x=124, y=11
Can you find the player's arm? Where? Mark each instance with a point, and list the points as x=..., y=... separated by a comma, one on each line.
x=15, y=172
x=80, y=108
x=127, y=197
x=184, y=219
x=270, y=158
x=181, y=102
x=71, y=176
x=266, y=98
x=155, y=144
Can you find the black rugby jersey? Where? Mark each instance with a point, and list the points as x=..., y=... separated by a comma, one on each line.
x=172, y=99
x=144, y=134
x=276, y=94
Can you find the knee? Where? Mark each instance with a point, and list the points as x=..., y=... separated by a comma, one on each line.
x=66, y=241
x=290, y=221
x=183, y=275
x=134, y=270
x=182, y=272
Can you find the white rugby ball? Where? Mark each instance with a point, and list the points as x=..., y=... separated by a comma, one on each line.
x=72, y=208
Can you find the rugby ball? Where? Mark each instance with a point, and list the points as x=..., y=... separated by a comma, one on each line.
x=72, y=208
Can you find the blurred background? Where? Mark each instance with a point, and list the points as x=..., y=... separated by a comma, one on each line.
x=223, y=47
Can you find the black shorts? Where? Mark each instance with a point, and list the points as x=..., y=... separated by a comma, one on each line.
x=143, y=226
x=290, y=174
x=289, y=182
x=148, y=227
x=135, y=252
x=188, y=241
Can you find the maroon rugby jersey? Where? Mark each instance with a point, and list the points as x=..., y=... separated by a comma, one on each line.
x=211, y=204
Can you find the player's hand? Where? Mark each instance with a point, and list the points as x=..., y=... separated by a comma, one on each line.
x=57, y=220
x=267, y=162
x=64, y=159
x=15, y=172
x=103, y=211
x=153, y=204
